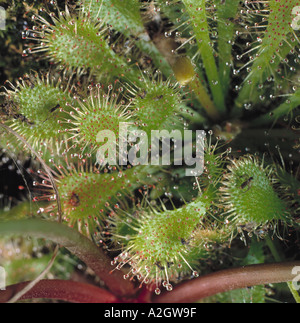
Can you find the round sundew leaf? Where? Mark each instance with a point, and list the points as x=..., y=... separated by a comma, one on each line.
x=79, y=42
x=250, y=195
x=164, y=246
x=37, y=116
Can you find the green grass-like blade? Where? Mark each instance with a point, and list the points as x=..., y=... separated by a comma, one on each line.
x=197, y=12
x=275, y=44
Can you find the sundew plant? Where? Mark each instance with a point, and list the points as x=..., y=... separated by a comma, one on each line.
x=92, y=210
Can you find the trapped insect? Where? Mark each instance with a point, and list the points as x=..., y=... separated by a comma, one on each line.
x=74, y=200
x=52, y=111
x=247, y=183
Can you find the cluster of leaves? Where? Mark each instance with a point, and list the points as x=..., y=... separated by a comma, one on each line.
x=11, y=56
x=161, y=66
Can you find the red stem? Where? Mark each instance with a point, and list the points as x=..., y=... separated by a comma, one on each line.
x=187, y=292
x=78, y=245
x=227, y=280
x=68, y=291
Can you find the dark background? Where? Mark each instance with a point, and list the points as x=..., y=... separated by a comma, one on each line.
x=14, y=172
